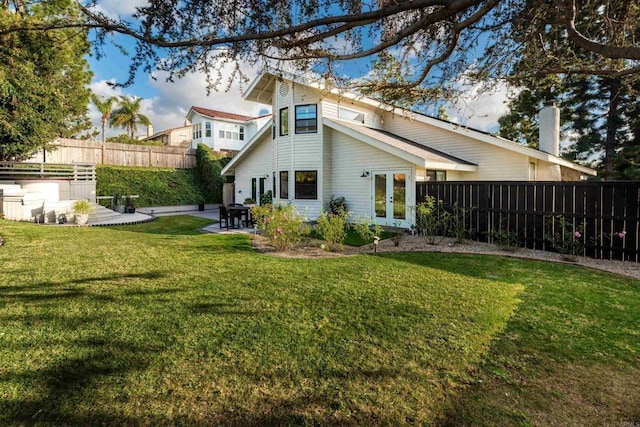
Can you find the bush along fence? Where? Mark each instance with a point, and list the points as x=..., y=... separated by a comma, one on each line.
x=596, y=219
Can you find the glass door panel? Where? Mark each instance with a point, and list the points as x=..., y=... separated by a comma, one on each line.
x=399, y=196
x=380, y=195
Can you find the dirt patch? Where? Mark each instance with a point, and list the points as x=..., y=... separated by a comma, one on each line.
x=312, y=249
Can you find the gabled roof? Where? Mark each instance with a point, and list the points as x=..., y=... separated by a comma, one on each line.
x=246, y=149
x=217, y=114
x=404, y=148
x=164, y=132
x=262, y=88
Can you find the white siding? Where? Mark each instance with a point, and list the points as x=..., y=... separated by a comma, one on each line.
x=255, y=163
x=350, y=158
x=494, y=163
x=331, y=105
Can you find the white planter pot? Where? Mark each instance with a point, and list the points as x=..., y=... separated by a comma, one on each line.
x=81, y=219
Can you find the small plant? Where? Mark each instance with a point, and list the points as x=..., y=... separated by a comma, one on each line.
x=266, y=198
x=505, y=239
x=82, y=207
x=398, y=232
x=458, y=224
x=366, y=230
x=249, y=201
x=566, y=237
x=129, y=205
x=337, y=205
x=333, y=229
x=432, y=220
x=282, y=224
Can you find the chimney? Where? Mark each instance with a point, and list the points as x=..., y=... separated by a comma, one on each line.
x=550, y=130
x=149, y=130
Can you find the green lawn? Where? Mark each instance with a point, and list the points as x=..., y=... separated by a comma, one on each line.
x=157, y=324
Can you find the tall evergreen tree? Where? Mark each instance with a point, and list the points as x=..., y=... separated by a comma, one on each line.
x=596, y=110
x=43, y=79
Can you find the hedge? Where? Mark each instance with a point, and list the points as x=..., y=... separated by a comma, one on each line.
x=155, y=186
x=209, y=165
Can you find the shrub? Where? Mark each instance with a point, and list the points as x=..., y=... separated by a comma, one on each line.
x=458, y=223
x=266, y=198
x=282, y=224
x=333, y=228
x=432, y=220
x=565, y=236
x=155, y=186
x=505, y=239
x=209, y=166
x=337, y=205
x=82, y=206
x=366, y=229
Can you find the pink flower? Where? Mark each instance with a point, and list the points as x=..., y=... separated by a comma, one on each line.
x=577, y=234
x=621, y=234
x=279, y=230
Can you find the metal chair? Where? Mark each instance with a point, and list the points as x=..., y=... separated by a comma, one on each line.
x=224, y=216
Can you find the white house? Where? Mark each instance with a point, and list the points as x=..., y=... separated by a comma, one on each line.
x=321, y=143
x=222, y=131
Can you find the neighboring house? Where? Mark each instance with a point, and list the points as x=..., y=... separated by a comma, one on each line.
x=180, y=136
x=321, y=144
x=222, y=131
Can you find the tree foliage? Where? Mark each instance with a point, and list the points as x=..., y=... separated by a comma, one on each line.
x=43, y=78
x=128, y=115
x=105, y=108
x=420, y=47
x=598, y=110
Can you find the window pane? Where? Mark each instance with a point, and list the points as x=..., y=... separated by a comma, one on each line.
x=284, y=185
x=284, y=121
x=241, y=133
x=346, y=114
x=306, y=185
x=306, y=118
x=207, y=128
x=399, y=196
x=381, y=195
x=228, y=134
x=221, y=133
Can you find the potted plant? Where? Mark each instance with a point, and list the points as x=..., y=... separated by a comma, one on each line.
x=249, y=201
x=82, y=209
x=129, y=205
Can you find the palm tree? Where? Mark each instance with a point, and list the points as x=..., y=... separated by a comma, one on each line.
x=105, y=107
x=128, y=116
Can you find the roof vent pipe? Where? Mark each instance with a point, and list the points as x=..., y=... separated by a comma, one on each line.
x=550, y=129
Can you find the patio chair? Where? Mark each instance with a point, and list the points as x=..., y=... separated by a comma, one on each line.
x=224, y=216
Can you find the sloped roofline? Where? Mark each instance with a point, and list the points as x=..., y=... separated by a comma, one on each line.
x=423, y=118
x=246, y=149
x=223, y=115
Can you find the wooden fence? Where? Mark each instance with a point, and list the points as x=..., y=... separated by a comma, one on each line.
x=602, y=209
x=70, y=151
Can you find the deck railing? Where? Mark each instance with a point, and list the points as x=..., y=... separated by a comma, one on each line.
x=75, y=171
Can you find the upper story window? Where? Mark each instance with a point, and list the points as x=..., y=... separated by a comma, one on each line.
x=207, y=129
x=197, y=130
x=351, y=115
x=241, y=131
x=221, y=133
x=284, y=121
x=307, y=118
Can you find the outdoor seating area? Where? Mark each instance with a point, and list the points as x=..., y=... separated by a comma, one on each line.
x=235, y=216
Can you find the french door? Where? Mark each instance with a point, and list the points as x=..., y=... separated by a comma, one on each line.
x=390, y=197
x=257, y=188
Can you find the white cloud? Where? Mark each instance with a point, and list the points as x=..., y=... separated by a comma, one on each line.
x=118, y=8
x=479, y=107
x=172, y=100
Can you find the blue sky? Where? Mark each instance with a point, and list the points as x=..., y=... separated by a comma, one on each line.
x=167, y=103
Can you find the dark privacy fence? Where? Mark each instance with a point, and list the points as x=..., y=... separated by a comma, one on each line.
x=603, y=209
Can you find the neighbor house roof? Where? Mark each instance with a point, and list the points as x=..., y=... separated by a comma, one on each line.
x=414, y=152
x=164, y=132
x=217, y=114
x=261, y=90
